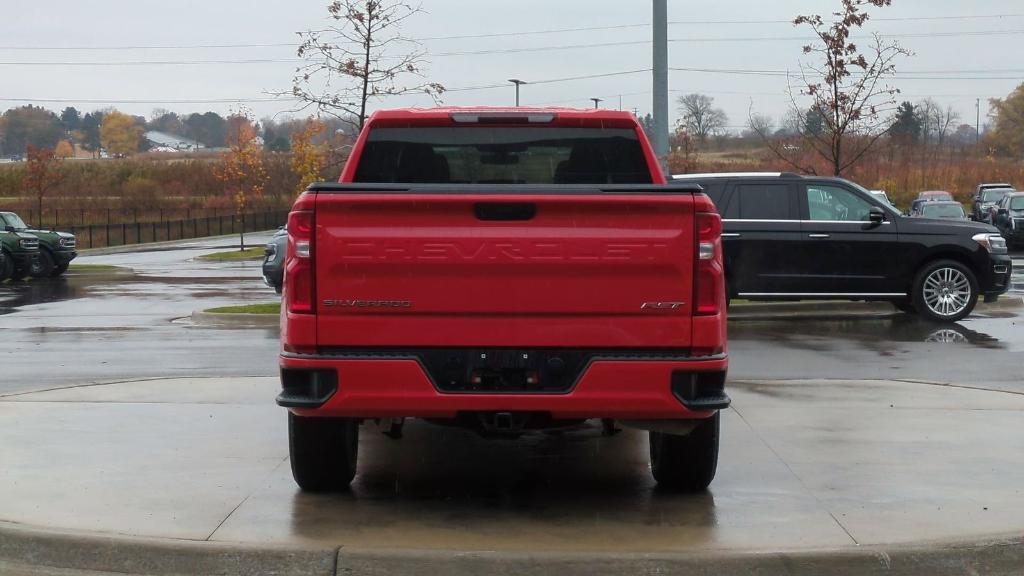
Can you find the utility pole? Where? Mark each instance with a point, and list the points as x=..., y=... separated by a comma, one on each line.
x=661, y=81
x=597, y=101
x=518, y=83
x=977, y=122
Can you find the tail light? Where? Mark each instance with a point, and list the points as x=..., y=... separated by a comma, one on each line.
x=300, y=285
x=708, y=279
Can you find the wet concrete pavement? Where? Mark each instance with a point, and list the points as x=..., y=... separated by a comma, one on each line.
x=823, y=447
x=804, y=465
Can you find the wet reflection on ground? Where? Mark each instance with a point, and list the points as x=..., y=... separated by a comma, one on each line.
x=866, y=331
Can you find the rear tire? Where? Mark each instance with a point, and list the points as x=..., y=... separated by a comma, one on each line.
x=323, y=452
x=686, y=463
x=945, y=291
x=43, y=266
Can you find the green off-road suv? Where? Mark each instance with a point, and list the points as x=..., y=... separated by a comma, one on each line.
x=56, y=249
x=19, y=254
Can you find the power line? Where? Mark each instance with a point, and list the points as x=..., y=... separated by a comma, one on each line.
x=900, y=75
x=508, y=34
x=494, y=51
x=132, y=101
x=286, y=99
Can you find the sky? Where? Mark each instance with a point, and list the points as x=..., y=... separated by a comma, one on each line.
x=74, y=53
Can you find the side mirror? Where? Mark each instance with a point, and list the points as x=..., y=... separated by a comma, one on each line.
x=1003, y=212
x=876, y=215
x=9, y=229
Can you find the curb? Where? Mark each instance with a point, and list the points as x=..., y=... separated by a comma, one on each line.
x=38, y=551
x=204, y=318
x=23, y=547
x=997, y=557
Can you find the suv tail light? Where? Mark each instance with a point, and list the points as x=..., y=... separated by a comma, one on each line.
x=708, y=278
x=299, y=266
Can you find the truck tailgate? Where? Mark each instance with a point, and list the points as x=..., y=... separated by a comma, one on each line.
x=504, y=270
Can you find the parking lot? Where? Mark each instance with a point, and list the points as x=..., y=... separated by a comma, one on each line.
x=839, y=437
x=135, y=324
x=824, y=404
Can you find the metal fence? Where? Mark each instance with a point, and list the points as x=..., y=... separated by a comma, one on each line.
x=138, y=232
x=61, y=218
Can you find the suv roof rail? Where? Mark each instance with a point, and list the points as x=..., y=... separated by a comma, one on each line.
x=737, y=175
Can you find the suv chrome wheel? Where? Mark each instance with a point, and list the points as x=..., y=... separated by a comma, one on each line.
x=947, y=291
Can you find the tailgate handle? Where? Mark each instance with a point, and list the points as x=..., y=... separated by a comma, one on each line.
x=505, y=211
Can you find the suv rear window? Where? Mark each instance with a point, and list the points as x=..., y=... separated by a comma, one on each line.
x=994, y=195
x=503, y=155
x=935, y=210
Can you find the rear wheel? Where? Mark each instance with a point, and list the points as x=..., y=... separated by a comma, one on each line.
x=686, y=463
x=945, y=291
x=43, y=265
x=323, y=452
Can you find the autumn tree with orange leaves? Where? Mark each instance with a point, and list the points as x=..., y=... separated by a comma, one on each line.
x=308, y=159
x=241, y=170
x=846, y=88
x=41, y=175
x=358, y=56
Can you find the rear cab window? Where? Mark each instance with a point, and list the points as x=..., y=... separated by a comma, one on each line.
x=503, y=155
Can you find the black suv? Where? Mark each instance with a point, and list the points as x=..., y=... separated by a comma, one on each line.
x=1009, y=218
x=790, y=237
x=987, y=196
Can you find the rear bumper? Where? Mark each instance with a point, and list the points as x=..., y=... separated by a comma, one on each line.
x=608, y=387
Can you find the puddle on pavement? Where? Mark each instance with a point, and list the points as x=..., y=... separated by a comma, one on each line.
x=874, y=333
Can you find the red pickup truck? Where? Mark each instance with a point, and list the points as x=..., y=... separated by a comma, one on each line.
x=506, y=270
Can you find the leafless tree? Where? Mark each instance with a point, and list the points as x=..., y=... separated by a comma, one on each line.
x=359, y=57
x=846, y=86
x=758, y=124
x=789, y=124
x=700, y=117
x=937, y=122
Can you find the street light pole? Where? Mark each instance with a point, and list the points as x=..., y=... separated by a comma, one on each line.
x=597, y=101
x=518, y=83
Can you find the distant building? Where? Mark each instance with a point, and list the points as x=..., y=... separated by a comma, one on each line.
x=163, y=142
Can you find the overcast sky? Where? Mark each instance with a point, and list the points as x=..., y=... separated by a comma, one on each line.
x=957, y=59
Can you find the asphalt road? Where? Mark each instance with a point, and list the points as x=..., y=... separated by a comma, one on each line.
x=93, y=327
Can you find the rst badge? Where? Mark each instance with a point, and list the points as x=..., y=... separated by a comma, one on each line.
x=662, y=305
